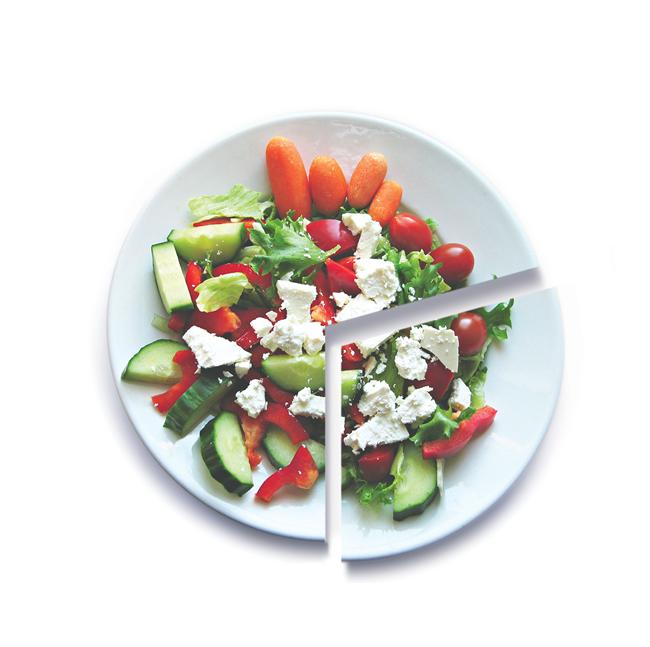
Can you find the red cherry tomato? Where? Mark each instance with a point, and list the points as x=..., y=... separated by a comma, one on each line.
x=410, y=233
x=347, y=261
x=340, y=278
x=328, y=233
x=438, y=377
x=351, y=357
x=457, y=262
x=471, y=331
x=375, y=464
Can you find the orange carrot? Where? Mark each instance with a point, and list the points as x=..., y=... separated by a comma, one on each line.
x=327, y=184
x=385, y=203
x=366, y=179
x=288, y=177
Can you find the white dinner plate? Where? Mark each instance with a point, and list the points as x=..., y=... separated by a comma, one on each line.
x=524, y=377
x=436, y=183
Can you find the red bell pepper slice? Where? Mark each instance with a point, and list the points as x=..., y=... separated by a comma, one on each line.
x=261, y=280
x=341, y=279
x=438, y=377
x=351, y=357
x=322, y=309
x=193, y=277
x=254, y=430
x=347, y=262
x=301, y=472
x=257, y=354
x=177, y=322
x=480, y=420
x=276, y=393
x=219, y=322
x=278, y=414
x=329, y=232
x=186, y=360
x=355, y=414
x=375, y=464
x=248, y=339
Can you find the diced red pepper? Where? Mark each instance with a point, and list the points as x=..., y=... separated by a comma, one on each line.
x=261, y=280
x=355, y=414
x=276, y=393
x=438, y=377
x=186, y=360
x=322, y=309
x=351, y=357
x=248, y=339
x=347, y=262
x=278, y=414
x=193, y=277
x=301, y=472
x=177, y=322
x=256, y=355
x=219, y=322
x=254, y=430
x=341, y=279
x=375, y=464
x=467, y=429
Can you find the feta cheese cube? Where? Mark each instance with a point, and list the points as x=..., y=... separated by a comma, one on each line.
x=261, y=326
x=296, y=300
x=341, y=299
x=382, y=429
x=252, y=399
x=355, y=222
x=272, y=315
x=370, y=235
x=287, y=335
x=460, y=397
x=371, y=344
x=313, y=337
x=358, y=306
x=417, y=405
x=377, y=280
x=442, y=343
x=305, y=403
x=212, y=351
x=377, y=397
x=242, y=368
x=408, y=359
x=369, y=365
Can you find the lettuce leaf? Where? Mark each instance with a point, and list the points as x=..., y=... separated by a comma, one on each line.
x=439, y=426
x=239, y=202
x=418, y=275
x=219, y=291
x=477, y=386
x=498, y=320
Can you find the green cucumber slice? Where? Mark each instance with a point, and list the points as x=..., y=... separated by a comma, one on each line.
x=197, y=402
x=349, y=385
x=281, y=450
x=169, y=278
x=416, y=481
x=224, y=454
x=219, y=242
x=295, y=373
x=154, y=363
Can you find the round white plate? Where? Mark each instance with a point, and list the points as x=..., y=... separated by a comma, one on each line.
x=524, y=377
x=436, y=184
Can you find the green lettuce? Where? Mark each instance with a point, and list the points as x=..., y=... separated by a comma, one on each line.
x=439, y=426
x=219, y=291
x=418, y=275
x=239, y=202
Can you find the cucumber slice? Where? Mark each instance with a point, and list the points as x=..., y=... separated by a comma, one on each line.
x=417, y=481
x=295, y=373
x=224, y=454
x=281, y=450
x=154, y=363
x=349, y=385
x=219, y=242
x=197, y=402
x=170, y=279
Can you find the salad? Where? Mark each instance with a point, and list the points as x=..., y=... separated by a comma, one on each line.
x=249, y=286
x=411, y=401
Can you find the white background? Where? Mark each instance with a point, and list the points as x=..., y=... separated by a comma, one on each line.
x=102, y=101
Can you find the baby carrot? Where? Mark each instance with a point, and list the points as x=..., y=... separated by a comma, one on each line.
x=288, y=177
x=366, y=179
x=327, y=184
x=385, y=203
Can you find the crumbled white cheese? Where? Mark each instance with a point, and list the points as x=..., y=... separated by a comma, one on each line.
x=227, y=374
x=341, y=299
x=377, y=398
x=211, y=351
x=272, y=315
x=370, y=235
x=381, y=367
x=355, y=222
x=296, y=300
x=261, y=326
x=252, y=399
x=379, y=430
x=460, y=397
x=417, y=405
x=241, y=368
x=291, y=336
x=313, y=337
x=305, y=403
x=369, y=365
x=408, y=359
x=442, y=342
x=370, y=344
x=377, y=279
x=358, y=306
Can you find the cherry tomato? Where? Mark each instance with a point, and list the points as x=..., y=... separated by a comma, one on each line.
x=351, y=357
x=438, y=377
x=410, y=233
x=457, y=262
x=471, y=331
x=347, y=261
x=328, y=233
x=340, y=278
x=375, y=464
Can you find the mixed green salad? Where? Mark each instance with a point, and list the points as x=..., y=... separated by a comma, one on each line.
x=417, y=399
x=249, y=286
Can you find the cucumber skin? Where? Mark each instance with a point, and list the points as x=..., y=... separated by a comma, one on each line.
x=416, y=508
x=214, y=463
x=182, y=417
x=132, y=374
x=192, y=243
x=349, y=385
x=268, y=441
x=184, y=304
x=295, y=373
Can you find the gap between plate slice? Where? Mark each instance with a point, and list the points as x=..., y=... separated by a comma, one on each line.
x=386, y=322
